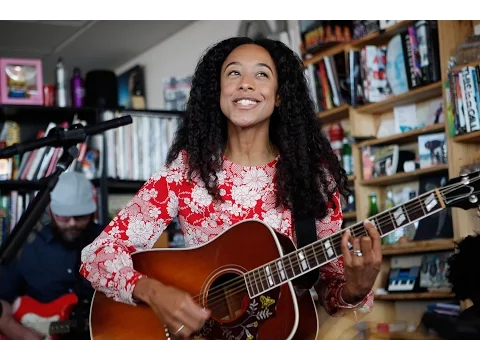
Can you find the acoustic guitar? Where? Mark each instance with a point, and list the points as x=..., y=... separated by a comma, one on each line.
x=251, y=295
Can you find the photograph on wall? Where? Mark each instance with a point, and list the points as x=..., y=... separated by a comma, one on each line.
x=176, y=91
x=131, y=89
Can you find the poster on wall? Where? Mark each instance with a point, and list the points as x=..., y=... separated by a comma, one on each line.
x=131, y=89
x=176, y=91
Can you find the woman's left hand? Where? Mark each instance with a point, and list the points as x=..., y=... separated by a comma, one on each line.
x=362, y=263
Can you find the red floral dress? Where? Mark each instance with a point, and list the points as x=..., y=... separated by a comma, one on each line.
x=247, y=192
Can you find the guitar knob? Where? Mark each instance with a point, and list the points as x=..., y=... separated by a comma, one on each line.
x=464, y=172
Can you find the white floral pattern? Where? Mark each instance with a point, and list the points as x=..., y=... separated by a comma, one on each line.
x=246, y=193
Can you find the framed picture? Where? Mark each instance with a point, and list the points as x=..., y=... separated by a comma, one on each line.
x=176, y=91
x=131, y=89
x=21, y=81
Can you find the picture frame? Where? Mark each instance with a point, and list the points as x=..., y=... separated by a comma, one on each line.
x=131, y=88
x=21, y=81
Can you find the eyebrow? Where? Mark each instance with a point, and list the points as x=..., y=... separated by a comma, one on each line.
x=259, y=64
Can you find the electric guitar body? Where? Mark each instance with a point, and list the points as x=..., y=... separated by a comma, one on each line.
x=215, y=275
x=49, y=319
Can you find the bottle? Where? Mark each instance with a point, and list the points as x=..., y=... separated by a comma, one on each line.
x=335, y=133
x=347, y=156
x=77, y=88
x=61, y=84
x=373, y=207
x=389, y=203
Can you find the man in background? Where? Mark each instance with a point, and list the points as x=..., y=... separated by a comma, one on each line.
x=46, y=267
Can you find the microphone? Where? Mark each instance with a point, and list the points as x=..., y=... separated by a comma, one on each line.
x=59, y=137
x=107, y=125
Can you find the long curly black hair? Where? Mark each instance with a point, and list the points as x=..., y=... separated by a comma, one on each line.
x=464, y=269
x=306, y=157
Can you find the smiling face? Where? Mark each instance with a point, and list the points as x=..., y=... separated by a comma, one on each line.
x=248, y=84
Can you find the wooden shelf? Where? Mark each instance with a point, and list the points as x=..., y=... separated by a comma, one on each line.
x=404, y=176
x=418, y=247
x=329, y=51
x=116, y=186
x=425, y=92
x=378, y=37
x=364, y=121
x=21, y=185
x=406, y=137
x=469, y=138
x=335, y=114
x=39, y=114
x=416, y=296
x=461, y=66
x=349, y=215
x=373, y=38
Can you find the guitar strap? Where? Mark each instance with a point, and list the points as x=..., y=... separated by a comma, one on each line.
x=306, y=233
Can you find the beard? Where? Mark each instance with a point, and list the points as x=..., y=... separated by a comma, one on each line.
x=72, y=237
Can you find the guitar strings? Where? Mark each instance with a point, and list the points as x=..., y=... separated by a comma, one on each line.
x=241, y=282
x=216, y=293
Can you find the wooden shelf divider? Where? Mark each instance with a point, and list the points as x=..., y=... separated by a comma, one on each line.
x=468, y=138
x=418, y=246
x=422, y=93
x=406, y=137
x=403, y=176
x=415, y=296
x=331, y=115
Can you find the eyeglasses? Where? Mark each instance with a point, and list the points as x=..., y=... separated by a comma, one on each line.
x=78, y=219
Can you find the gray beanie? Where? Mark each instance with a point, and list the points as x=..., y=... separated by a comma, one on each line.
x=73, y=195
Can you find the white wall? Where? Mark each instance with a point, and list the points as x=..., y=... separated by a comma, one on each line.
x=179, y=54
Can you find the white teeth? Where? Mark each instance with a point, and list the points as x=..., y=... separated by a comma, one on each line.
x=246, y=102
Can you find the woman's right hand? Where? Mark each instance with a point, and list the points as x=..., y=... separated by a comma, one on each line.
x=174, y=307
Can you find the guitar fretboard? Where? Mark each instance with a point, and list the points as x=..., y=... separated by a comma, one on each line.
x=320, y=252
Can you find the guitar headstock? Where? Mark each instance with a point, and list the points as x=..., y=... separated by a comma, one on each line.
x=463, y=191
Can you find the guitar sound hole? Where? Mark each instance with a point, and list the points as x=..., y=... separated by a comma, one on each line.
x=227, y=297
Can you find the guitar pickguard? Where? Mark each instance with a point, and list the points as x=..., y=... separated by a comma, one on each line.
x=247, y=326
x=39, y=324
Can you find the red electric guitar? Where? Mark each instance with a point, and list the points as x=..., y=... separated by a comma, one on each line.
x=251, y=294
x=50, y=319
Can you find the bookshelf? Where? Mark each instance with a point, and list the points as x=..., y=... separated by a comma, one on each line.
x=364, y=122
x=24, y=124
x=133, y=153
x=31, y=119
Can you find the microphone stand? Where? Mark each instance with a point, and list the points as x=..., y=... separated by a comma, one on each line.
x=57, y=137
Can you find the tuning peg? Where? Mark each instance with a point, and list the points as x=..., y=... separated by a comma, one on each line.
x=464, y=172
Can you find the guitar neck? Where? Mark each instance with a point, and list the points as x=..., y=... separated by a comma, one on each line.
x=321, y=252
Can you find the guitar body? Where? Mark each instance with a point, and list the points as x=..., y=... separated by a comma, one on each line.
x=279, y=313
x=41, y=316
x=264, y=262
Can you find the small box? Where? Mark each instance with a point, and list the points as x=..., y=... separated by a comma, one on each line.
x=21, y=81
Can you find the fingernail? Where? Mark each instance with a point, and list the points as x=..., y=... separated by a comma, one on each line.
x=367, y=221
x=348, y=232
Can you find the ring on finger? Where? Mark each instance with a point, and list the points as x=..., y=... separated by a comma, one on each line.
x=357, y=253
x=179, y=329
